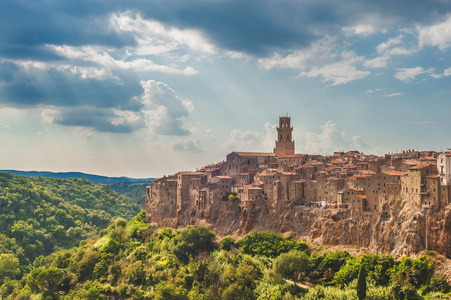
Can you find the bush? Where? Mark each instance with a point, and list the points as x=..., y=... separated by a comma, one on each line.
x=227, y=243
x=269, y=244
x=193, y=241
x=291, y=265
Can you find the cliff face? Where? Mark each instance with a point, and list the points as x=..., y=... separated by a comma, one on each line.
x=398, y=228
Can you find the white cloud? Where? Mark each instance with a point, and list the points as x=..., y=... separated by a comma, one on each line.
x=240, y=141
x=445, y=73
x=436, y=35
x=368, y=92
x=154, y=38
x=49, y=115
x=394, y=95
x=377, y=62
x=338, y=73
x=320, y=60
x=360, y=29
x=300, y=59
x=332, y=138
x=385, y=47
x=270, y=137
x=409, y=74
x=186, y=145
x=101, y=57
x=163, y=110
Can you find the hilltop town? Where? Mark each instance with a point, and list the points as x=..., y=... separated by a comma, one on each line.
x=397, y=203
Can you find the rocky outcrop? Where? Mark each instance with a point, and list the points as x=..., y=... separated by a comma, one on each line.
x=399, y=228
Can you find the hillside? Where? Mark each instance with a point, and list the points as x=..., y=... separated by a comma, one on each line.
x=92, y=178
x=132, y=260
x=135, y=191
x=41, y=215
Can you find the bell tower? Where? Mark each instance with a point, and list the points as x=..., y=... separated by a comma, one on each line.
x=284, y=143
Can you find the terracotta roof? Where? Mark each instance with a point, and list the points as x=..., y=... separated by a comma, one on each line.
x=287, y=173
x=393, y=173
x=253, y=154
x=191, y=173
x=411, y=162
x=292, y=156
x=253, y=188
x=417, y=167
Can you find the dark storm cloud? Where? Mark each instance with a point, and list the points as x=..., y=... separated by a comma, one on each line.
x=57, y=88
x=101, y=120
x=27, y=25
x=252, y=26
x=260, y=27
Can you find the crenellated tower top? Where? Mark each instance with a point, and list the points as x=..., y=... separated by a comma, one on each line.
x=284, y=143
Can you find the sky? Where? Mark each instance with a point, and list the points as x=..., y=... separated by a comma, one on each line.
x=149, y=88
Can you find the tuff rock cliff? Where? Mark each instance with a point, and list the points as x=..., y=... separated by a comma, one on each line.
x=399, y=228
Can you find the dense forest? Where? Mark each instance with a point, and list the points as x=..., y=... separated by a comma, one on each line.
x=135, y=260
x=41, y=215
x=135, y=191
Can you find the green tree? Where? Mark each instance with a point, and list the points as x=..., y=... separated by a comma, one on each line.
x=228, y=242
x=361, y=283
x=291, y=265
x=9, y=267
x=193, y=241
x=46, y=280
x=269, y=244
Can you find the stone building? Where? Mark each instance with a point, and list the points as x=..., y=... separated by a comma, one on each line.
x=418, y=187
x=385, y=182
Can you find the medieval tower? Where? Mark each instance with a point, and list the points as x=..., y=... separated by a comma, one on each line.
x=284, y=143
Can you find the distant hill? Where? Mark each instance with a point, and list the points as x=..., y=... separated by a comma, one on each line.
x=90, y=177
x=40, y=215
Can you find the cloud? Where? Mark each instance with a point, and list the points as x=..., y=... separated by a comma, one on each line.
x=101, y=120
x=186, y=145
x=409, y=74
x=337, y=73
x=445, y=73
x=163, y=110
x=368, y=92
x=160, y=110
x=438, y=34
x=102, y=58
x=377, y=62
x=394, y=95
x=388, y=49
x=270, y=137
x=332, y=138
x=240, y=141
x=30, y=86
x=154, y=38
x=320, y=60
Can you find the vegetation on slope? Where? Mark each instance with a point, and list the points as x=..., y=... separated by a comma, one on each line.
x=41, y=215
x=135, y=191
x=134, y=260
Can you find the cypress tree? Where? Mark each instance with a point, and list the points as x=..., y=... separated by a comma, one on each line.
x=361, y=284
